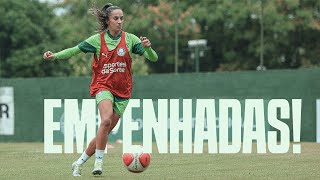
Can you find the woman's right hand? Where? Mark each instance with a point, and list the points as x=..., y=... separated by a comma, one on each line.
x=48, y=55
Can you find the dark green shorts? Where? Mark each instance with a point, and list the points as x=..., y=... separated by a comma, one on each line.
x=119, y=104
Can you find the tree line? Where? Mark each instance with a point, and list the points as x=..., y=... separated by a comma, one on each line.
x=239, y=34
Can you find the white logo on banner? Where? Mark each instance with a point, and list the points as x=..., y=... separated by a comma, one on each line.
x=6, y=111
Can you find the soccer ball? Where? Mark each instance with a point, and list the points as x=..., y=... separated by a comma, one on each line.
x=136, y=161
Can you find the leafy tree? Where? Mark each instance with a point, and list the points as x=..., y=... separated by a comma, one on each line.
x=26, y=30
x=233, y=31
x=157, y=21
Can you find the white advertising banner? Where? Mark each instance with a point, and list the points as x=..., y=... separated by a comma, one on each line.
x=6, y=111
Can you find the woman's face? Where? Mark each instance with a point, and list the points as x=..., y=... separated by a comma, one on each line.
x=115, y=20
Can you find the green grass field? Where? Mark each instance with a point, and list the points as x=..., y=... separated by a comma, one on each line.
x=27, y=161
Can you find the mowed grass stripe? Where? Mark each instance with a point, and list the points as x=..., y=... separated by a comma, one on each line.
x=27, y=161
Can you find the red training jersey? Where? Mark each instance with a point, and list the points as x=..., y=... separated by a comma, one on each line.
x=112, y=71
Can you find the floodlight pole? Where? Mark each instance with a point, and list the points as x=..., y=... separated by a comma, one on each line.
x=0, y=60
x=261, y=36
x=87, y=21
x=176, y=57
x=197, y=55
x=197, y=45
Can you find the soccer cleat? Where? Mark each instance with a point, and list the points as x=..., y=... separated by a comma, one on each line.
x=76, y=169
x=97, y=170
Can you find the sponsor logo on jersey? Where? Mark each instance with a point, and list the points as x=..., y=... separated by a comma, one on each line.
x=117, y=67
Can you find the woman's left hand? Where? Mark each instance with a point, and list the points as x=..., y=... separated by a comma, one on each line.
x=145, y=42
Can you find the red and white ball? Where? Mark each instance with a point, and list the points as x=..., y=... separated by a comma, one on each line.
x=136, y=161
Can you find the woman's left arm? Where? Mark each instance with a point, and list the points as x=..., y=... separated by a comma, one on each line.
x=149, y=53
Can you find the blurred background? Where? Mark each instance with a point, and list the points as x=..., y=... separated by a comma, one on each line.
x=188, y=35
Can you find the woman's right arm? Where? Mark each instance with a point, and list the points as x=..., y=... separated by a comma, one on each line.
x=64, y=54
x=89, y=45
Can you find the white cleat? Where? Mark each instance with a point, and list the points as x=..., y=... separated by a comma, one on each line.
x=76, y=169
x=97, y=170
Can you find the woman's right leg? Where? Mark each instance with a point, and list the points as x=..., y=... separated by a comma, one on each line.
x=76, y=166
x=92, y=146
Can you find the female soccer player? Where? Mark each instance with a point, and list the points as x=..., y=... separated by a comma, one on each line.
x=111, y=84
